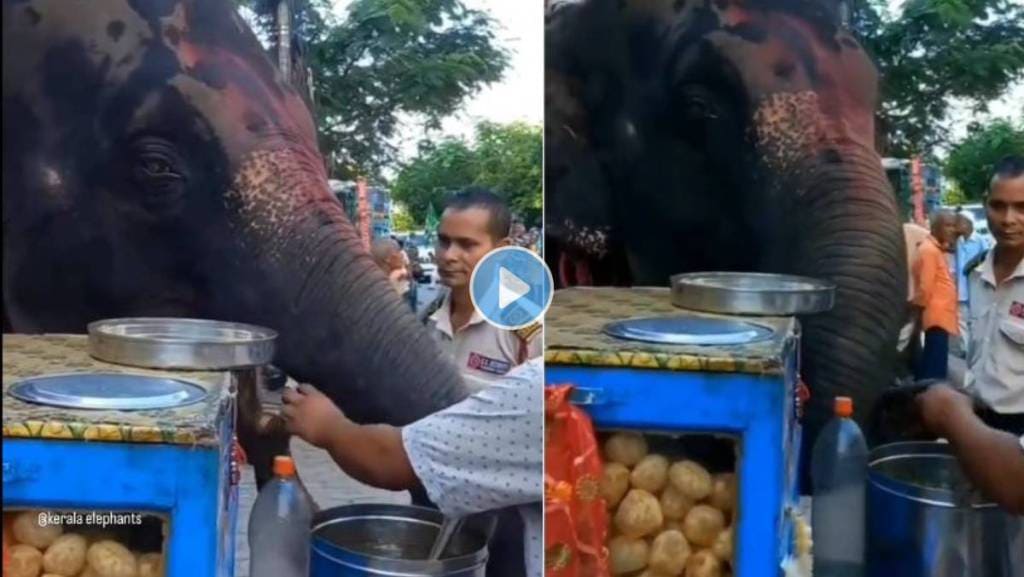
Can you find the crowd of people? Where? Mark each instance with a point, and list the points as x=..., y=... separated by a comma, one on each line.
x=969, y=298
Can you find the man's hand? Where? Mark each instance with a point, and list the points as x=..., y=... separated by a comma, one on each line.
x=939, y=404
x=312, y=416
x=990, y=458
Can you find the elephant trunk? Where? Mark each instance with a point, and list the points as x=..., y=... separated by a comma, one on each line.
x=845, y=228
x=342, y=326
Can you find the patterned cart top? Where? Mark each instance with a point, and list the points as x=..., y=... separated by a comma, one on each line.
x=27, y=356
x=574, y=335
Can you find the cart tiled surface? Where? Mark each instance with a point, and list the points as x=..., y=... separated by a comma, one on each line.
x=574, y=335
x=36, y=355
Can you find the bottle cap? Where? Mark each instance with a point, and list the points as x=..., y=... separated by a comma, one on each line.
x=284, y=466
x=844, y=407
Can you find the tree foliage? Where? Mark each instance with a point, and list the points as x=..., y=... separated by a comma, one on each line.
x=388, y=59
x=935, y=51
x=510, y=159
x=507, y=158
x=437, y=170
x=971, y=162
x=401, y=220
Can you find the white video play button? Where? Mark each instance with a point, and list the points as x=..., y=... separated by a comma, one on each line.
x=510, y=288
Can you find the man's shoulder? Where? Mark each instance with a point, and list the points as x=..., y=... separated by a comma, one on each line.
x=973, y=266
x=930, y=247
x=435, y=309
x=529, y=332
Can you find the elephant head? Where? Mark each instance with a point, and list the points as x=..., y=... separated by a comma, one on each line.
x=155, y=164
x=729, y=135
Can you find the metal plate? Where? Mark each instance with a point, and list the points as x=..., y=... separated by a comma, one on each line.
x=108, y=391
x=191, y=344
x=688, y=330
x=743, y=293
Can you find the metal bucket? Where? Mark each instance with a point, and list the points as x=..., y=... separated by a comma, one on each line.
x=924, y=521
x=393, y=540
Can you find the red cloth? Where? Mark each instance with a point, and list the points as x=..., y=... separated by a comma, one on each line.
x=575, y=517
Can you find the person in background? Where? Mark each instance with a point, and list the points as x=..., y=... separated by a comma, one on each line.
x=484, y=453
x=995, y=362
x=533, y=236
x=389, y=257
x=968, y=247
x=935, y=297
x=909, y=339
x=413, y=283
x=475, y=222
x=517, y=234
x=992, y=459
x=412, y=253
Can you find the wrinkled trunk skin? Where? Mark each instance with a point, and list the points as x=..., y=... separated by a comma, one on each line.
x=843, y=226
x=342, y=326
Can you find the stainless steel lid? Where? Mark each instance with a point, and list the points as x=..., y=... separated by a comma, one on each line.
x=108, y=391
x=743, y=293
x=688, y=330
x=190, y=344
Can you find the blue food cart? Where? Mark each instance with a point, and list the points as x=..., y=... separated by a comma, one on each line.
x=170, y=471
x=742, y=383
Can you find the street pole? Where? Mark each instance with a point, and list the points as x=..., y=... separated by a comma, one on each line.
x=284, y=34
x=363, y=202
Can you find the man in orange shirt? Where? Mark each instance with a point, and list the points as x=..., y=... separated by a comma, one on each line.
x=936, y=297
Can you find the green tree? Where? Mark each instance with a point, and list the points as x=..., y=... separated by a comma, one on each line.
x=401, y=220
x=387, y=59
x=933, y=52
x=437, y=170
x=971, y=162
x=954, y=195
x=510, y=160
x=507, y=158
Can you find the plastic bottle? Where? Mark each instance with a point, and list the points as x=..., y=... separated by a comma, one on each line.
x=839, y=465
x=279, y=526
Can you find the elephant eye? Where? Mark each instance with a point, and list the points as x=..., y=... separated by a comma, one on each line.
x=156, y=166
x=153, y=165
x=699, y=106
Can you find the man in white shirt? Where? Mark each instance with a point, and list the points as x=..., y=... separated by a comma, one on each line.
x=996, y=289
x=475, y=222
x=485, y=453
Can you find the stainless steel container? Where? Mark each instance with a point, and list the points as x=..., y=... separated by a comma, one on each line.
x=393, y=540
x=749, y=293
x=924, y=521
x=173, y=343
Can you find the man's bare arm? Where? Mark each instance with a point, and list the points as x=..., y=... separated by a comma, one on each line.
x=373, y=455
x=992, y=459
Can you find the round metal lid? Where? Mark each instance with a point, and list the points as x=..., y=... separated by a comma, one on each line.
x=688, y=330
x=174, y=343
x=108, y=391
x=747, y=293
